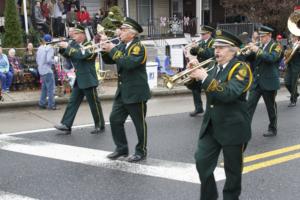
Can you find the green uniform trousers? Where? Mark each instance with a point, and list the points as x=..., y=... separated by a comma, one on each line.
x=118, y=116
x=291, y=82
x=76, y=98
x=206, y=158
x=197, y=98
x=269, y=99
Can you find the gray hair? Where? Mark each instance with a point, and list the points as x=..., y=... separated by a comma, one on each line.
x=12, y=51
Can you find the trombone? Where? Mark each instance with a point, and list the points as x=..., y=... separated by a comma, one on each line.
x=184, y=76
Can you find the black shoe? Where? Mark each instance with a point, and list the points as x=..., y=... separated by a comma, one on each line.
x=115, y=155
x=292, y=104
x=136, y=158
x=98, y=130
x=64, y=128
x=42, y=107
x=196, y=112
x=270, y=133
x=54, y=108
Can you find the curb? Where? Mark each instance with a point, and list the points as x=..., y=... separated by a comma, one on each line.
x=104, y=97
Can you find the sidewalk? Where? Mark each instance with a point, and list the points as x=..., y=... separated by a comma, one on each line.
x=107, y=92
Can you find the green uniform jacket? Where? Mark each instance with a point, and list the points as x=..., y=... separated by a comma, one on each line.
x=204, y=50
x=226, y=107
x=131, y=66
x=84, y=64
x=266, y=67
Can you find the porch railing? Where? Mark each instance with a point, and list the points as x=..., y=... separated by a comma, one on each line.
x=171, y=27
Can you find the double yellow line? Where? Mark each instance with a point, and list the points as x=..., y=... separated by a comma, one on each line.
x=271, y=162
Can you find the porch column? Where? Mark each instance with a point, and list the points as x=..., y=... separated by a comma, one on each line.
x=199, y=14
x=25, y=16
x=127, y=8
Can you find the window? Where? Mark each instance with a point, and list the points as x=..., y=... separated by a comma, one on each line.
x=144, y=11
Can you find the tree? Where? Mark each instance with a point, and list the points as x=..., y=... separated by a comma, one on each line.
x=13, y=36
x=112, y=21
x=273, y=13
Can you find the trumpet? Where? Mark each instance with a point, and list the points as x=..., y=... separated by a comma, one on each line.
x=55, y=43
x=184, y=77
x=245, y=49
x=191, y=44
x=96, y=47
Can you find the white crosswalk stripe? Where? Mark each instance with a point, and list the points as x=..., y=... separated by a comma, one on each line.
x=178, y=171
x=9, y=196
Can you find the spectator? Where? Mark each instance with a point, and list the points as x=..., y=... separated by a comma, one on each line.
x=255, y=37
x=69, y=3
x=45, y=60
x=57, y=27
x=29, y=63
x=40, y=20
x=46, y=7
x=97, y=20
x=71, y=16
x=5, y=74
x=83, y=16
x=18, y=77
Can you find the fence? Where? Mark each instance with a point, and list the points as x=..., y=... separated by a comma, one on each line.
x=239, y=28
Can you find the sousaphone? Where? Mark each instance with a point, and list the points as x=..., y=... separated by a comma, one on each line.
x=294, y=27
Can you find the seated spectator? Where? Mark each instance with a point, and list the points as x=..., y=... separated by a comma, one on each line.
x=29, y=62
x=40, y=20
x=83, y=16
x=18, y=78
x=5, y=74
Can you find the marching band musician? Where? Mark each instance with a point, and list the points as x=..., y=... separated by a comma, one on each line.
x=203, y=51
x=226, y=123
x=266, y=76
x=292, y=72
x=85, y=85
x=133, y=90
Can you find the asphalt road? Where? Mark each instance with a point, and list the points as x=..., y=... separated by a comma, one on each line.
x=44, y=165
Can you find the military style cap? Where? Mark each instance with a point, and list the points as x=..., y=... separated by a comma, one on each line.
x=225, y=38
x=206, y=29
x=131, y=23
x=265, y=30
x=79, y=28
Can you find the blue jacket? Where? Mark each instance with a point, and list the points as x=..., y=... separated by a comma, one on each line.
x=4, y=64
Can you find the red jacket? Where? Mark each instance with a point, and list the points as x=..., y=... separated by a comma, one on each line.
x=83, y=17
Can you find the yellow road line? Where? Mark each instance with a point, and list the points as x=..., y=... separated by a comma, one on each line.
x=271, y=153
x=270, y=162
